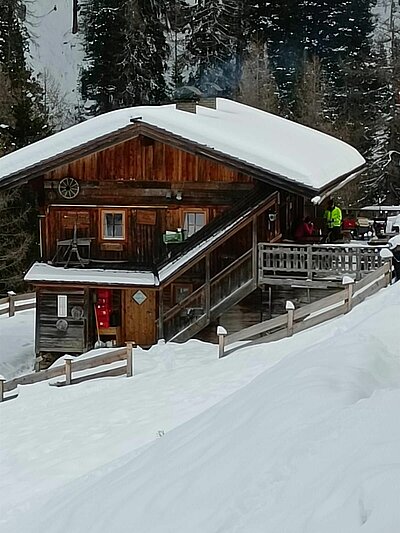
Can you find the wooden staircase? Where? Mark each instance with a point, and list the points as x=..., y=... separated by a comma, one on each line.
x=221, y=286
x=211, y=299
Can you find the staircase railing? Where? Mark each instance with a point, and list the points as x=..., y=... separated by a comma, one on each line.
x=211, y=299
x=232, y=278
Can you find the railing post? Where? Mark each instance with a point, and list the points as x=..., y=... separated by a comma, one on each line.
x=309, y=262
x=222, y=333
x=348, y=283
x=254, y=252
x=130, y=362
x=2, y=381
x=160, y=325
x=68, y=369
x=38, y=360
x=290, y=317
x=207, y=287
x=386, y=256
x=11, y=303
x=388, y=272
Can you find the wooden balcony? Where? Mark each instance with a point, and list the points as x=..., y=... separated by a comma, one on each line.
x=313, y=265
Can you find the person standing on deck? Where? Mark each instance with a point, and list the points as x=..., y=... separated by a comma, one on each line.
x=333, y=221
x=304, y=230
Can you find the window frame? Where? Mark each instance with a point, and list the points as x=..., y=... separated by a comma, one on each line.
x=194, y=211
x=104, y=213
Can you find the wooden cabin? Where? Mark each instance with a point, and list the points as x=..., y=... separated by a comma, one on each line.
x=150, y=217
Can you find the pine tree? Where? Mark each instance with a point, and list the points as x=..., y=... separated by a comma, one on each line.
x=211, y=46
x=145, y=53
x=126, y=53
x=257, y=85
x=6, y=118
x=27, y=117
x=103, y=22
x=15, y=241
x=312, y=94
x=177, y=18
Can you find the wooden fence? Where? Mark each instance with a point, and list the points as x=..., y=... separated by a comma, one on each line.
x=296, y=320
x=13, y=303
x=72, y=365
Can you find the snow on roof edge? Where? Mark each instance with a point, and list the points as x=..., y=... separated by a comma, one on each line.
x=43, y=272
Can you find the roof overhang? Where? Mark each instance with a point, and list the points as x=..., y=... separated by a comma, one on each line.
x=338, y=184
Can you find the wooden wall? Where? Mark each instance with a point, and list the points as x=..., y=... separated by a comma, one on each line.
x=144, y=229
x=139, y=174
x=142, y=159
x=51, y=339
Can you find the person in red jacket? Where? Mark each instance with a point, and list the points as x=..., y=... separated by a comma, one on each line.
x=304, y=230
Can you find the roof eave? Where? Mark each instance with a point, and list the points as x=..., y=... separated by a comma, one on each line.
x=339, y=183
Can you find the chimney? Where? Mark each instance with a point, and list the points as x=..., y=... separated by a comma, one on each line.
x=186, y=105
x=208, y=101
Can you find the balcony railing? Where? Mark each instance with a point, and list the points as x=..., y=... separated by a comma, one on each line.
x=316, y=261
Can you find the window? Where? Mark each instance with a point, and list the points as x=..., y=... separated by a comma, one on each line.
x=113, y=225
x=181, y=291
x=193, y=221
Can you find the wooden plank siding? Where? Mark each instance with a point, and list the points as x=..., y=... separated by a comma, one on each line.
x=134, y=175
x=51, y=339
x=141, y=159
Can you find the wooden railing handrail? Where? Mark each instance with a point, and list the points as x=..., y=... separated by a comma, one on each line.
x=340, y=246
x=373, y=276
x=23, y=297
x=346, y=298
x=184, y=303
x=316, y=260
x=119, y=354
x=230, y=268
x=12, y=299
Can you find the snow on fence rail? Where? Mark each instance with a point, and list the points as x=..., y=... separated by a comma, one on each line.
x=72, y=365
x=11, y=303
x=296, y=320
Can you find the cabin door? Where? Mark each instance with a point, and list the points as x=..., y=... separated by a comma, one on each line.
x=139, y=316
x=146, y=235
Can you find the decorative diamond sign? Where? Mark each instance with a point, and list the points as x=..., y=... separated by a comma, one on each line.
x=139, y=297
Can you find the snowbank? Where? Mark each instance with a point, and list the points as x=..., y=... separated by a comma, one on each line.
x=17, y=352
x=298, y=435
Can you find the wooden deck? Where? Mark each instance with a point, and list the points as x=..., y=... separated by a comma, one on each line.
x=294, y=267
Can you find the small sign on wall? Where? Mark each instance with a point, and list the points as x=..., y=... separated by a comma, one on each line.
x=139, y=297
x=62, y=305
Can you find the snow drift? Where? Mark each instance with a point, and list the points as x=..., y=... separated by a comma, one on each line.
x=308, y=445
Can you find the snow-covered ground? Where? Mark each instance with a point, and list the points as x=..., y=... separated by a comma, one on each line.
x=17, y=352
x=300, y=435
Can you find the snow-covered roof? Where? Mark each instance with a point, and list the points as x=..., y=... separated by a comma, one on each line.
x=259, y=139
x=44, y=272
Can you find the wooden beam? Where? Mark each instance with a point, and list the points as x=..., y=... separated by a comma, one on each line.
x=207, y=287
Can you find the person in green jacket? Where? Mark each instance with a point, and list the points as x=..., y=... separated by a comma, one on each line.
x=333, y=221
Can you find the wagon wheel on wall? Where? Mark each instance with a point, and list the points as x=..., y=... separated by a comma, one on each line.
x=68, y=188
